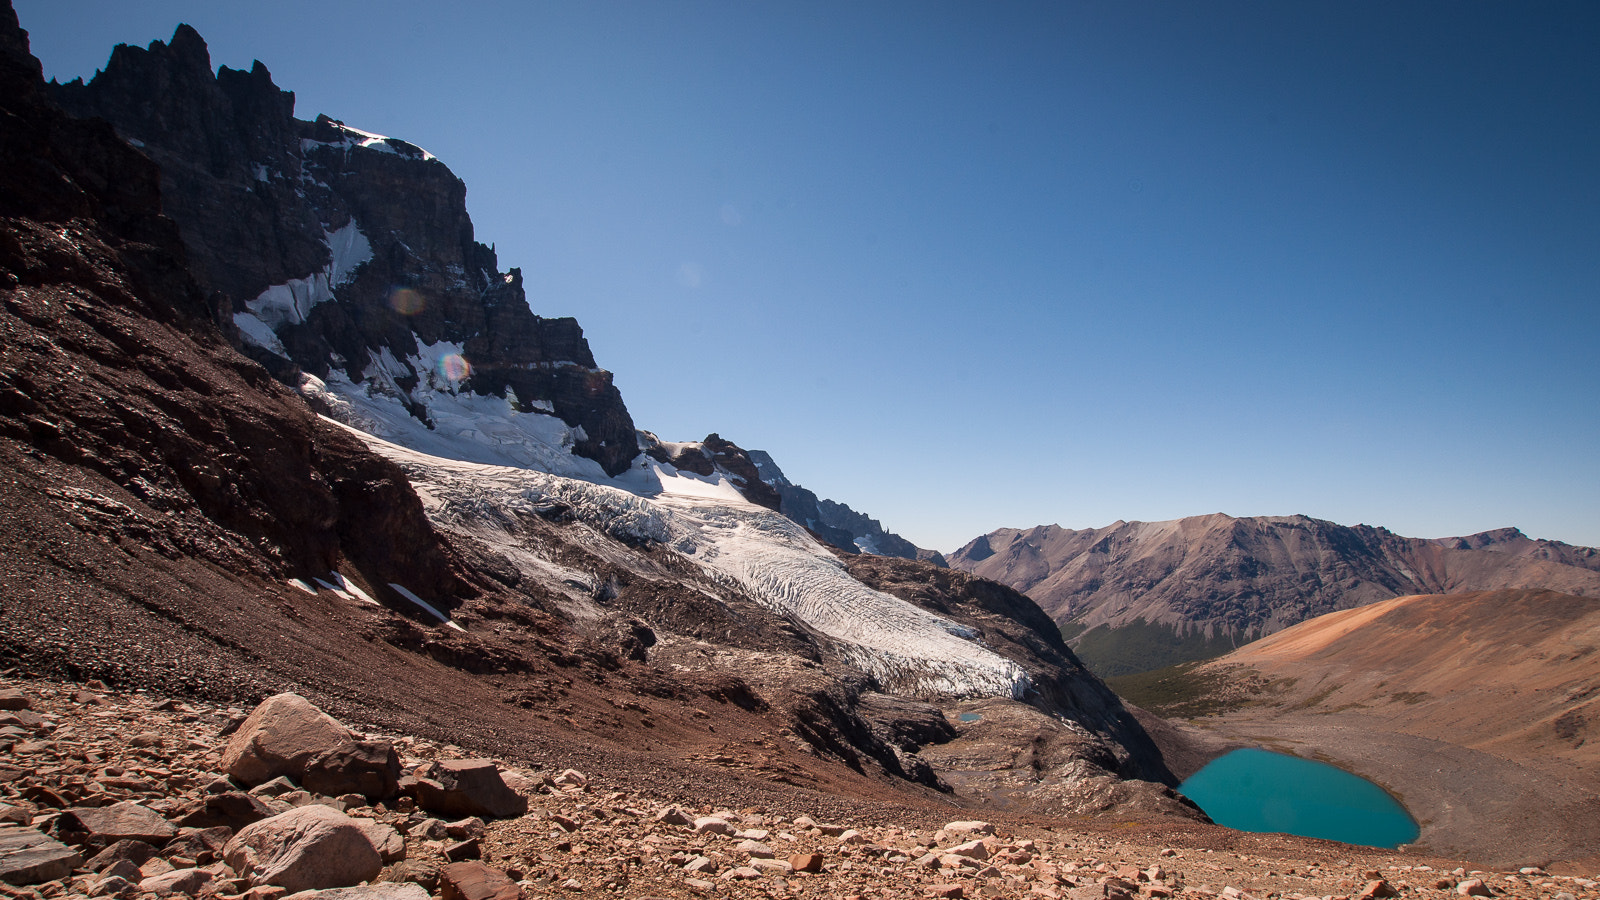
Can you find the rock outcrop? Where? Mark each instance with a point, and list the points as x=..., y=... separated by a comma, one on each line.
x=712, y=457
x=1085, y=752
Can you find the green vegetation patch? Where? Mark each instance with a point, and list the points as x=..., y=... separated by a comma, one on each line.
x=1180, y=692
x=1141, y=646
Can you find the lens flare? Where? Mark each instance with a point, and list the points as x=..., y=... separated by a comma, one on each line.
x=406, y=301
x=454, y=368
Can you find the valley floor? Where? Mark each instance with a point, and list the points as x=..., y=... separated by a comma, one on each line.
x=87, y=745
x=1469, y=802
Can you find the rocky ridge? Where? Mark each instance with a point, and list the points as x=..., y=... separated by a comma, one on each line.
x=836, y=523
x=1513, y=541
x=117, y=776
x=1142, y=595
x=340, y=253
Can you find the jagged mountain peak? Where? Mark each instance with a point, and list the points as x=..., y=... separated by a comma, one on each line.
x=376, y=300
x=375, y=286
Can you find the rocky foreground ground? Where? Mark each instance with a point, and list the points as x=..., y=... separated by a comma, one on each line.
x=131, y=795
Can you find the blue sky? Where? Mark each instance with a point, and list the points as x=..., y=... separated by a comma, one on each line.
x=972, y=265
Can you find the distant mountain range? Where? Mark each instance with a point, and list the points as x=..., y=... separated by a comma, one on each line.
x=1135, y=596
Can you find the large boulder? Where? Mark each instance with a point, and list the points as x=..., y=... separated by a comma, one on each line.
x=383, y=890
x=106, y=825
x=473, y=880
x=27, y=856
x=466, y=787
x=287, y=735
x=306, y=849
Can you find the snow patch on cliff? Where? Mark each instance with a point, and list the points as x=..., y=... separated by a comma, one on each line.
x=355, y=137
x=289, y=303
x=462, y=425
x=257, y=332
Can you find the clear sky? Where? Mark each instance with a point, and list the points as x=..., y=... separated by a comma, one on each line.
x=971, y=265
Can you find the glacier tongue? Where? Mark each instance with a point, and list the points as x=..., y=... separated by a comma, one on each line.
x=907, y=650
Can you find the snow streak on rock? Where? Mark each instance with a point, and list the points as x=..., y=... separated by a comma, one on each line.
x=907, y=650
x=291, y=302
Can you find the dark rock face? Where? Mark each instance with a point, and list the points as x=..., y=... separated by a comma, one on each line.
x=365, y=239
x=205, y=131
x=111, y=364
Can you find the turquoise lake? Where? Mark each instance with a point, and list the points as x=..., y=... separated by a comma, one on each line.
x=1255, y=790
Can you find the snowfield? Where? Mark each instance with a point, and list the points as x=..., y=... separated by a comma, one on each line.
x=907, y=650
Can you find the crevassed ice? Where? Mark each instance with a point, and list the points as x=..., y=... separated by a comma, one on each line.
x=476, y=428
x=906, y=649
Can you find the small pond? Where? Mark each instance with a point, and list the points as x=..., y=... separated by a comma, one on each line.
x=1255, y=790
x=970, y=717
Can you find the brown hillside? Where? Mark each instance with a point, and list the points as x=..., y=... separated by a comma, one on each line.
x=1477, y=709
x=1512, y=672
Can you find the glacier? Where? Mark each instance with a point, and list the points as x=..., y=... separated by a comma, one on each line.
x=906, y=650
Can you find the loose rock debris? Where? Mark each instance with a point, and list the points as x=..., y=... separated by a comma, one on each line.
x=105, y=794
